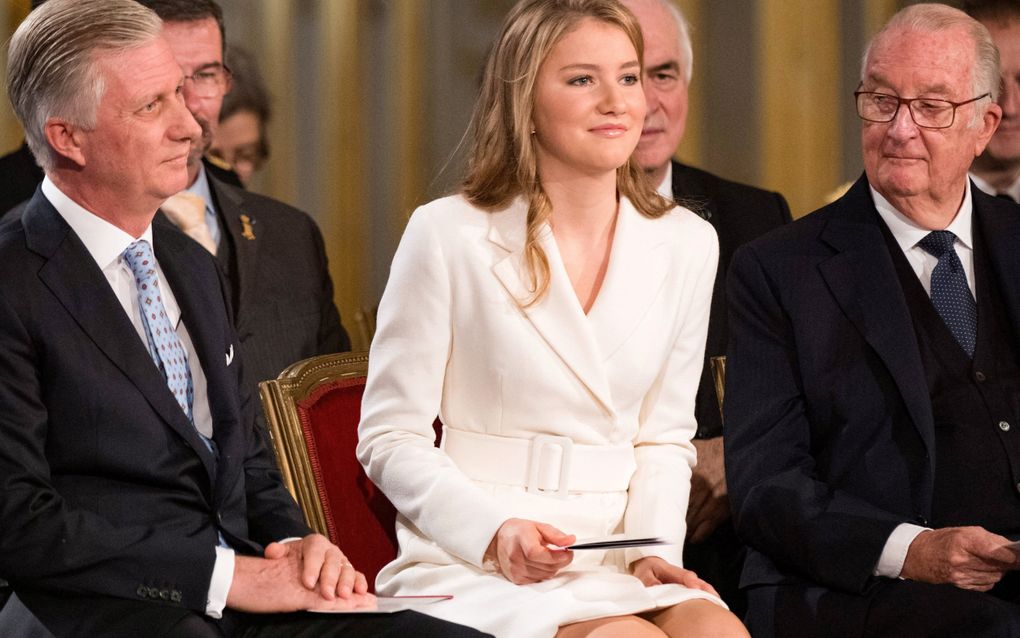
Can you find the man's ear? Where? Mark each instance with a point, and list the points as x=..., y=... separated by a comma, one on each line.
x=65, y=139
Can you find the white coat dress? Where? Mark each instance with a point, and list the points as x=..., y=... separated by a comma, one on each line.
x=454, y=339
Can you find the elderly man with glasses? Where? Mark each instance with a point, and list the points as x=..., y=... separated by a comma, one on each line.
x=873, y=397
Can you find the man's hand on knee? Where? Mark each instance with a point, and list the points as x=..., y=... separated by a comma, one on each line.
x=310, y=573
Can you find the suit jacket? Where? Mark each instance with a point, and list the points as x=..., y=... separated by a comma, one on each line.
x=108, y=489
x=281, y=290
x=20, y=177
x=739, y=213
x=829, y=426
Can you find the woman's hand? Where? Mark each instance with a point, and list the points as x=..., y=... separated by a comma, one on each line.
x=652, y=570
x=521, y=551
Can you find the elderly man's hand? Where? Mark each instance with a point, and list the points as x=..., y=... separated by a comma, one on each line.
x=310, y=573
x=968, y=557
x=709, y=505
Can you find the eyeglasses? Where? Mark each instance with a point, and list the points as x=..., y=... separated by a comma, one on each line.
x=210, y=81
x=931, y=113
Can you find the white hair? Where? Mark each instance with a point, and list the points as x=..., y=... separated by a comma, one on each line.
x=937, y=18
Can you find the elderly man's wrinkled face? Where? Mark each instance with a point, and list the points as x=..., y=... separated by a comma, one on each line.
x=913, y=166
x=664, y=84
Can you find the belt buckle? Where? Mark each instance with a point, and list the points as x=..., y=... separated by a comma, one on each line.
x=541, y=441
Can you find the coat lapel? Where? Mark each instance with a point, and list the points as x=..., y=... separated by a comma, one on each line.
x=77, y=282
x=638, y=249
x=863, y=280
x=558, y=317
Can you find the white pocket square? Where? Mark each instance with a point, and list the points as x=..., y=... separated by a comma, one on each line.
x=230, y=354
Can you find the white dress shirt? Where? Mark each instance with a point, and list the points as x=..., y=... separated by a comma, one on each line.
x=201, y=188
x=106, y=244
x=907, y=235
x=666, y=185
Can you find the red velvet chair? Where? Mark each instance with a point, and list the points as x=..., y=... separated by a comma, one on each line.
x=313, y=409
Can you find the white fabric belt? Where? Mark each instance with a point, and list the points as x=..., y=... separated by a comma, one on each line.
x=543, y=464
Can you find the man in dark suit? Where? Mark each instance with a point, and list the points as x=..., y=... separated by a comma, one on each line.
x=873, y=391
x=739, y=213
x=137, y=497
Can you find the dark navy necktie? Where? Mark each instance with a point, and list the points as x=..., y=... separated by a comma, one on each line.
x=950, y=293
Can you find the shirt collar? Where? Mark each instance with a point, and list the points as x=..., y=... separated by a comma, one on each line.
x=201, y=187
x=666, y=185
x=104, y=241
x=1013, y=191
x=908, y=234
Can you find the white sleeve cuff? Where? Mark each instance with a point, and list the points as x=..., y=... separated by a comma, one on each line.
x=894, y=554
x=219, y=584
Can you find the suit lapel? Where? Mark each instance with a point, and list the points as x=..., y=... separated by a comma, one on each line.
x=638, y=248
x=999, y=226
x=76, y=281
x=230, y=206
x=863, y=281
x=558, y=317
x=198, y=303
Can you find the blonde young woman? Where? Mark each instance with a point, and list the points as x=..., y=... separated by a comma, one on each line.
x=553, y=313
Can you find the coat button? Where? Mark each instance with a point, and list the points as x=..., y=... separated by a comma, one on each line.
x=1004, y=426
x=175, y=596
x=980, y=376
x=142, y=591
x=164, y=594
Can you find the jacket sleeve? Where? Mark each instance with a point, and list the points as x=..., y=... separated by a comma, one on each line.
x=405, y=385
x=782, y=504
x=45, y=542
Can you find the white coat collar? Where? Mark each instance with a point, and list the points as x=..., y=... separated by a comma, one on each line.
x=637, y=270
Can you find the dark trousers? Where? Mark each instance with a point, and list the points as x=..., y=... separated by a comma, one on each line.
x=892, y=608
x=103, y=617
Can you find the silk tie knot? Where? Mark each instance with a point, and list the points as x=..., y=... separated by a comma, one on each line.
x=937, y=242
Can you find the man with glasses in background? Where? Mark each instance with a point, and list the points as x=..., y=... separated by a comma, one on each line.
x=873, y=395
x=273, y=254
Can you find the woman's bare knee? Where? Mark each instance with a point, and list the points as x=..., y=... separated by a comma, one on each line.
x=612, y=627
x=698, y=619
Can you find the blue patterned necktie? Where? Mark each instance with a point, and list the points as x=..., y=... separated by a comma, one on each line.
x=165, y=347
x=950, y=293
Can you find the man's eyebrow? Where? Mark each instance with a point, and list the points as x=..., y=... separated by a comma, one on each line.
x=672, y=65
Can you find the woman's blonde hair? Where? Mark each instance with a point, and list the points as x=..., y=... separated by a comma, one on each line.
x=502, y=161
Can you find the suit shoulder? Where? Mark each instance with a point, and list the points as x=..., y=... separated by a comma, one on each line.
x=717, y=185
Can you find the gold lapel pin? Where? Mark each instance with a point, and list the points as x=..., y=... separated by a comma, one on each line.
x=246, y=230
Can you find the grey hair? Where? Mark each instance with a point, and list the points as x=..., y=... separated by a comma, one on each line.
x=51, y=70
x=932, y=17
x=683, y=30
